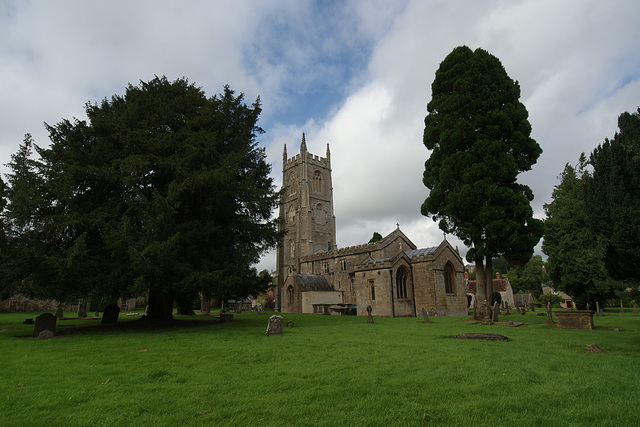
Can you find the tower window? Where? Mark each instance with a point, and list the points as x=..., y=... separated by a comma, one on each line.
x=317, y=181
x=372, y=289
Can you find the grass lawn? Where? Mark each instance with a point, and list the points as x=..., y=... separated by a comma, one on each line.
x=326, y=370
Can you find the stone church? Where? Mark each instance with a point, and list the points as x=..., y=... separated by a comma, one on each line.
x=392, y=275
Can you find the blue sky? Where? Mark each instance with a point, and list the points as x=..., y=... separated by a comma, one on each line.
x=355, y=74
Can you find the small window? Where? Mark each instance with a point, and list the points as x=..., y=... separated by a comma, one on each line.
x=401, y=284
x=343, y=265
x=449, y=278
x=325, y=267
x=372, y=288
x=290, y=294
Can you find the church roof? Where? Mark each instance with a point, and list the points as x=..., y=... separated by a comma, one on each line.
x=313, y=282
x=419, y=252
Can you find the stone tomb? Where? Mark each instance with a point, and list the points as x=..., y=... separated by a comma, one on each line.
x=575, y=319
x=111, y=313
x=44, y=322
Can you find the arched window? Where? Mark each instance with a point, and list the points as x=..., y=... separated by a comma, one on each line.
x=372, y=288
x=401, y=283
x=290, y=294
x=292, y=248
x=449, y=278
x=317, y=181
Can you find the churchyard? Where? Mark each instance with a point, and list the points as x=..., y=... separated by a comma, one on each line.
x=322, y=370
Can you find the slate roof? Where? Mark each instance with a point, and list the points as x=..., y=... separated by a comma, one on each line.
x=313, y=282
x=419, y=252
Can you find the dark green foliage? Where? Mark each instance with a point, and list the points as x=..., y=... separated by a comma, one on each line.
x=555, y=300
x=479, y=136
x=376, y=237
x=612, y=196
x=575, y=258
x=163, y=190
x=530, y=277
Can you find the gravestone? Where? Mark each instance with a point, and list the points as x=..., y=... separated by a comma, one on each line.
x=96, y=314
x=275, y=325
x=289, y=324
x=486, y=311
x=574, y=319
x=425, y=315
x=369, y=316
x=597, y=308
x=635, y=308
x=59, y=313
x=258, y=309
x=549, y=314
x=28, y=322
x=507, y=308
x=45, y=335
x=111, y=313
x=226, y=317
x=82, y=311
x=45, y=322
x=496, y=312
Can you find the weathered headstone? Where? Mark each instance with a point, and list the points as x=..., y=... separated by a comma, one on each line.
x=289, y=324
x=59, y=313
x=549, y=314
x=507, y=308
x=44, y=322
x=597, y=308
x=111, y=313
x=45, y=335
x=425, y=315
x=28, y=321
x=258, y=308
x=369, y=316
x=635, y=308
x=275, y=325
x=96, y=314
x=496, y=312
x=486, y=311
x=82, y=311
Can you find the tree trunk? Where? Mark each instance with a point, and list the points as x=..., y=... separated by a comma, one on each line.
x=489, y=285
x=478, y=305
x=160, y=306
x=205, y=302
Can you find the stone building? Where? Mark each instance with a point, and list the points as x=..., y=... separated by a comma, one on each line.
x=392, y=275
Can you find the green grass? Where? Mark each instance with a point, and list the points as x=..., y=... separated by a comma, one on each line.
x=326, y=370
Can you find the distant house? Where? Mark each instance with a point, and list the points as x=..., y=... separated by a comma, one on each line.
x=568, y=300
x=499, y=285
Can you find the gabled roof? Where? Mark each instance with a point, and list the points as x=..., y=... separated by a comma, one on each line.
x=312, y=282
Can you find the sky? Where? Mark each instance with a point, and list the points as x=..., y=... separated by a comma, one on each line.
x=352, y=74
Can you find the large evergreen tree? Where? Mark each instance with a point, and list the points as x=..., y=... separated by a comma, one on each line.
x=162, y=190
x=479, y=136
x=612, y=199
x=575, y=256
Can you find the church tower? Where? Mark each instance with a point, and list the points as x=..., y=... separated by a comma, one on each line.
x=306, y=211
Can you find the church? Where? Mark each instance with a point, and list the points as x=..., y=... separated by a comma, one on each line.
x=392, y=275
